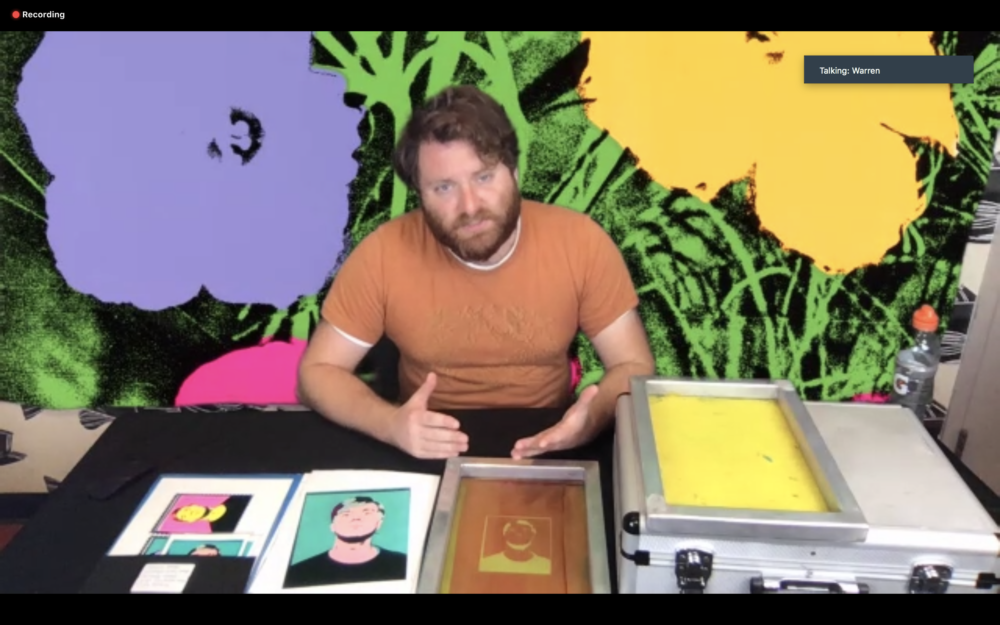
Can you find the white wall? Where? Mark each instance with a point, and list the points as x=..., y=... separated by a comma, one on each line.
x=972, y=426
x=972, y=284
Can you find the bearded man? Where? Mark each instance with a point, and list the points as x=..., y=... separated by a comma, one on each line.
x=481, y=290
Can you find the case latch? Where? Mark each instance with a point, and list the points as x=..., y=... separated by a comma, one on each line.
x=987, y=581
x=930, y=579
x=693, y=569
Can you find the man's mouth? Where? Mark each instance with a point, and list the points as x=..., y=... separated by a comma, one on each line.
x=476, y=226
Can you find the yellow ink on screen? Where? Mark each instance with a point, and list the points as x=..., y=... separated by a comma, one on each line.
x=510, y=545
x=731, y=453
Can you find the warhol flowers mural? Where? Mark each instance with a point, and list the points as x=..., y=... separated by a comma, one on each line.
x=175, y=204
x=184, y=161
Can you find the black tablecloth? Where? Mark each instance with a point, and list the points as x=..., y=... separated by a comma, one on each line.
x=60, y=547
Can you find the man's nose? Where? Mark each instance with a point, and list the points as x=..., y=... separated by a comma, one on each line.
x=468, y=203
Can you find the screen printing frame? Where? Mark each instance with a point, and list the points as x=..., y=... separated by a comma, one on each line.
x=846, y=521
x=457, y=469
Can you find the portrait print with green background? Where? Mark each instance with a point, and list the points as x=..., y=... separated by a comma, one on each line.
x=315, y=535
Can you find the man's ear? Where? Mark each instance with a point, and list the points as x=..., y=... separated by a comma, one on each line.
x=516, y=177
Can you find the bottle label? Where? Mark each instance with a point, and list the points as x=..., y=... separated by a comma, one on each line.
x=901, y=384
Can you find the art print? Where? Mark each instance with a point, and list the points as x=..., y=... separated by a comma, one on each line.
x=203, y=514
x=206, y=508
x=205, y=546
x=351, y=538
x=155, y=545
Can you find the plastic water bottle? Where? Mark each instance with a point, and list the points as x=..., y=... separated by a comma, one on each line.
x=916, y=366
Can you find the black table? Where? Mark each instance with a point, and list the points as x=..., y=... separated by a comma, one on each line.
x=59, y=548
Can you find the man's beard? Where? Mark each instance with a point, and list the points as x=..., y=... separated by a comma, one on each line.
x=481, y=247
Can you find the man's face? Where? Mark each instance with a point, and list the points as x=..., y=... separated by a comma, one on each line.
x=205, y=551
x=519, y=534
x=472, y=207
x=357, y=521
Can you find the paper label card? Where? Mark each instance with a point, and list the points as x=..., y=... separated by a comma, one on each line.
x=163, y=579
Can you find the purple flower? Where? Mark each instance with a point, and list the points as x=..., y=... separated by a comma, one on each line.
x=184, y=160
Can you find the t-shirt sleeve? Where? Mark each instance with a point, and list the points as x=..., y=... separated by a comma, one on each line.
x=607, y=289
x=355, y=304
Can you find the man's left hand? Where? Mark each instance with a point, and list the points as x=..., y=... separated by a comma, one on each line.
x=573, y=430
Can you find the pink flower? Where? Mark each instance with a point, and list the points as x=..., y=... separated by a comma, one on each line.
x=576, y=372
x=871, y=398
x=265, y=374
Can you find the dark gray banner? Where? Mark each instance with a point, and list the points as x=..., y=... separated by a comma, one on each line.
x=900, y=70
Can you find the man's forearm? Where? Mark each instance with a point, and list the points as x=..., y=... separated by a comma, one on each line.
x=345, y=399
x=614, y=383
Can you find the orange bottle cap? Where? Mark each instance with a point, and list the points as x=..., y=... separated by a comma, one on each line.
x=925, y=319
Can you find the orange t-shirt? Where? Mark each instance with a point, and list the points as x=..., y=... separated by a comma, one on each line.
x=496, y=337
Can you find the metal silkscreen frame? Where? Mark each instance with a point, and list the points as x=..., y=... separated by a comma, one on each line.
x=845, y=522
x=586, y=473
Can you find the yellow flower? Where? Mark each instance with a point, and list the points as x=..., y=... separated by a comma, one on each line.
x=832, y=176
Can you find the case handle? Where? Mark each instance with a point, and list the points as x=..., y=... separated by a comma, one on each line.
x=761, y=586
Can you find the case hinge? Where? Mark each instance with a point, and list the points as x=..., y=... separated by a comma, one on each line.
x=693, y=569
x=930, y=579
x=761, y=586
x=963, y=438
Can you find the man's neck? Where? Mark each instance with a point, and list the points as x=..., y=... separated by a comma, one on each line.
x=352, y=552
x=518, y=555
x=501, y=256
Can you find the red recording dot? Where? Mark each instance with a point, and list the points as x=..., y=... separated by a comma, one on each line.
x=16, y=14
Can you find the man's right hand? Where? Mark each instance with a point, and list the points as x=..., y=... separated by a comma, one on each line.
x=426, y=434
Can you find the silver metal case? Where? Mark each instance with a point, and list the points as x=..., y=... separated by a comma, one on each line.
x=905, y=522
